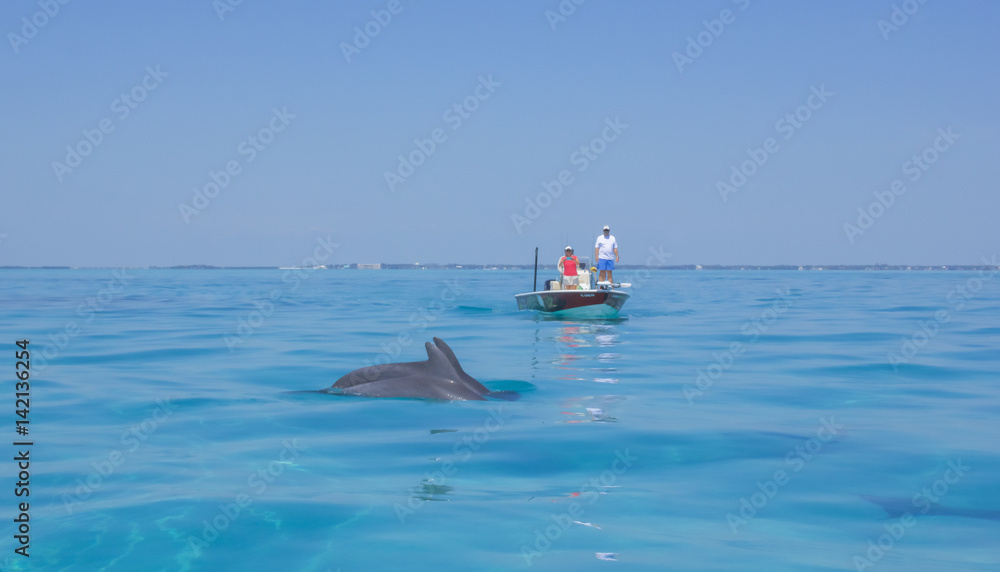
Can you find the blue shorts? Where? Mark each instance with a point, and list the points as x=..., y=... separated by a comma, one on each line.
x=605, y=264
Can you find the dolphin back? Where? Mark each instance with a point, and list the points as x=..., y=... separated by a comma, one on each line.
x=440, y=377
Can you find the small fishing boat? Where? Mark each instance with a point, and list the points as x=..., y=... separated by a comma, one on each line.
x=591, y=300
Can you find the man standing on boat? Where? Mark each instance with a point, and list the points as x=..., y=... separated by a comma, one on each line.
x=606, y=254
x=567, y=268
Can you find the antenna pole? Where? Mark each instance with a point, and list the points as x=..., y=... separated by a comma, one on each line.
x=534, y=283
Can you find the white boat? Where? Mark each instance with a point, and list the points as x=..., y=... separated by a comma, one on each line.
x=591, y=300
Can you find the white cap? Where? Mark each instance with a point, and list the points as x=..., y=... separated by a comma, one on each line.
x=606, y=227
x=568, y=248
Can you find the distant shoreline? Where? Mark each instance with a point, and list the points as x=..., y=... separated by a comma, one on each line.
x=386, y=266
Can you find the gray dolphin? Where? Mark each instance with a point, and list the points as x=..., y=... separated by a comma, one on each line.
x=440, y=377
x=896, y=507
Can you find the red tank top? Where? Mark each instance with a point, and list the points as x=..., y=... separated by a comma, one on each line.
x=569, y=265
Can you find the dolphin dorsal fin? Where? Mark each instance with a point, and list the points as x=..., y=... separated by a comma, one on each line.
x=439, y=363
x=448, y=353
x=466, y=378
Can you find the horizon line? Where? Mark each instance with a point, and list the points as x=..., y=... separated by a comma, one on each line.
x=503, y=266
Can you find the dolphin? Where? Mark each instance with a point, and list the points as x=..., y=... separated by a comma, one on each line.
x=440, y=377
x=896, y=507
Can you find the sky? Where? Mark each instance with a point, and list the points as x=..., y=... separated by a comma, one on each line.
x=253, y=133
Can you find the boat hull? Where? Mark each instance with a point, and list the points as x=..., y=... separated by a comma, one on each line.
x=574, y=303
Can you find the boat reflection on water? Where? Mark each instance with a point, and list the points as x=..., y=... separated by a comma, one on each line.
x=581, y=353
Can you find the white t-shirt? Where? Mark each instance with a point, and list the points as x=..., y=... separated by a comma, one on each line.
x=606, y=247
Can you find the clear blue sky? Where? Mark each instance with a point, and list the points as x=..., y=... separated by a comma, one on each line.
x=546, y=87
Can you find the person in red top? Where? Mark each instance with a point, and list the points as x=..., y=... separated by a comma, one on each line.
x=567, y=268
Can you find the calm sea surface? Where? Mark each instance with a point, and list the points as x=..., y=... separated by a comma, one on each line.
x=756, y=420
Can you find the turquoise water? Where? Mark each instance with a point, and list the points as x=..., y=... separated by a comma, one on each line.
x=726, y=421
